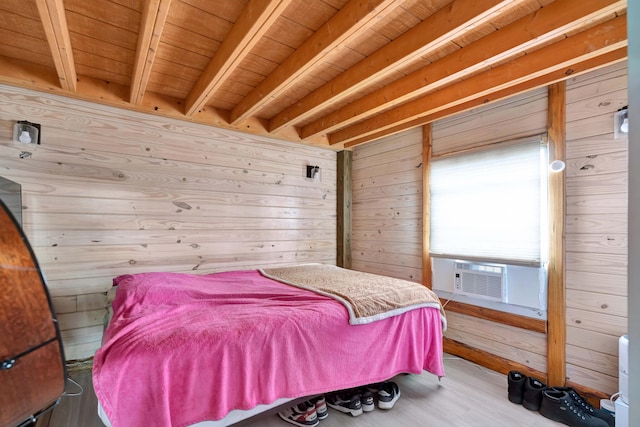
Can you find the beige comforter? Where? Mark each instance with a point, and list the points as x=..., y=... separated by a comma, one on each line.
x=367, y=297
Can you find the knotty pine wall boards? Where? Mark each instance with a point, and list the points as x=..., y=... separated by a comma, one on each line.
x=111, y=192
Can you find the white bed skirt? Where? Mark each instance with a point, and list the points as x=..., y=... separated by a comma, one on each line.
x=232, y=417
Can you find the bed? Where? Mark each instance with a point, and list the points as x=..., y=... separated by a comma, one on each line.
x=185, y=349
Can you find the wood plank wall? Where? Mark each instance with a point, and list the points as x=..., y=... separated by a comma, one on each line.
x=112, y=192
x=387, y=207
x=596, y=221
x=596, y=228
x=512, y=118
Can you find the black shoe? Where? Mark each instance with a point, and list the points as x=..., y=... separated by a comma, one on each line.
x=346, y=403
x=366, y=398
x=586, y=407
x=558, y=405
x=388, y=395
x=516, y=386
x=532, y=396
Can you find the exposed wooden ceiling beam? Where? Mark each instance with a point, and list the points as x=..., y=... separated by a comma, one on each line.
x=353, y=17
x=54, y=22
x=537, y=28
x=555, y=76
x=255, y=20
x=432, y=33
x=152, y=23
x=107, y=79
x=587, y=44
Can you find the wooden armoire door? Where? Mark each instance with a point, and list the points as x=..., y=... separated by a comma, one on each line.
x=32, y=366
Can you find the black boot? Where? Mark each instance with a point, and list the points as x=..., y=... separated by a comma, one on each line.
x=532, y=396
x=586, y=407
x=557, y=405
x=516, y=386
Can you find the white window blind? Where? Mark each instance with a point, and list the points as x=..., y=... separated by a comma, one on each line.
x=491, y=205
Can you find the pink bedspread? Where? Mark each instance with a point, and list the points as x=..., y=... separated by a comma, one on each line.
x=183, y=348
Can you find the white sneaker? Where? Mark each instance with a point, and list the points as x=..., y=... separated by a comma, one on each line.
x=349, y=404
x=388, y=395
x=300, y=415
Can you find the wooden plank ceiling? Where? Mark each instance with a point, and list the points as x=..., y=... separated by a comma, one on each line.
x=334, y=73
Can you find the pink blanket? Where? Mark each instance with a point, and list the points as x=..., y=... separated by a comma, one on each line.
x=183, y=348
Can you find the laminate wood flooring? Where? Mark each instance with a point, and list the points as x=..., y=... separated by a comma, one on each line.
x=468, y=396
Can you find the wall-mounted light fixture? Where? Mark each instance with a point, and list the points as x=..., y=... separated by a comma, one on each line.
x=26, y=132
x=313, y=172
x=557, y=166
x=621, y=122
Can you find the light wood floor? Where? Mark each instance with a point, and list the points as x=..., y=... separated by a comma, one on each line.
x=469, y=395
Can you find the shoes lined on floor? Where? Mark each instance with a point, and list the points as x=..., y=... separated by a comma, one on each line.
x=561, y=404
x=353, y=402
x=362, y=399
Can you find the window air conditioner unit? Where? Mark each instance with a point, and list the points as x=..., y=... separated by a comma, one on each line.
x=486, y=281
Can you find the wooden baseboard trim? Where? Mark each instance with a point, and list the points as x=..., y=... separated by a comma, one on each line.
x=502, y=317
x=490, y=361
x=79, y=365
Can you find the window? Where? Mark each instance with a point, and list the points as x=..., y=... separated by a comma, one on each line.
x=491, y=204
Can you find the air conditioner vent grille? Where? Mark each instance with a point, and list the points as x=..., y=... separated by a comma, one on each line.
x=485, y=281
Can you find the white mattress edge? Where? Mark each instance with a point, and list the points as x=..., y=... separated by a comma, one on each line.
x=232, y=417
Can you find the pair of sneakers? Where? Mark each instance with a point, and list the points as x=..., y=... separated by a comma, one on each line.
x=356, y=401
x=353, y=401
x=387, y=392
x=306, y=414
